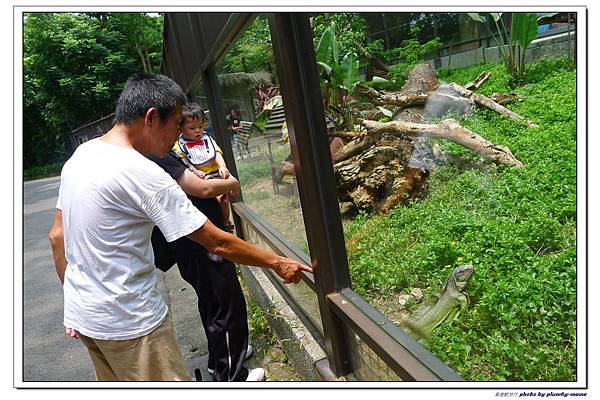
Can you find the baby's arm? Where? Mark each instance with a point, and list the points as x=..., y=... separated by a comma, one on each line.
x=198, y=173
x=223, y=171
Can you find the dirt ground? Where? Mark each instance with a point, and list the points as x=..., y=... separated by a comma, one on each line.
x=281, y=210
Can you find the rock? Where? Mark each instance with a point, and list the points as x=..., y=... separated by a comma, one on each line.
x=403, y=299
x=346, y=207
x=417, y=294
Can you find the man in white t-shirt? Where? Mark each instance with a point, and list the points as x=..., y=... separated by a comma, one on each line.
x=110, y=198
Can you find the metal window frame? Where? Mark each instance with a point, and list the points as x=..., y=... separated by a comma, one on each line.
x=343, y=312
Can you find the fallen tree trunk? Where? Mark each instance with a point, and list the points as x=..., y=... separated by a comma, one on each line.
x=351, y=149
x=388, y=163
x=402, y=100
x=448, y=129
x=486, y=102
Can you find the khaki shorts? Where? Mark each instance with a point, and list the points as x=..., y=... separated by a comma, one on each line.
x=153, y=357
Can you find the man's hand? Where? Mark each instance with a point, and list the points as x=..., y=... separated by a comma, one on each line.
x=290, y=270
x=224, y=172
x=223, y=200
x=72, y=332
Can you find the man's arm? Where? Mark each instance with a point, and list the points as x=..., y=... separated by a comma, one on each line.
x=235, y=249
x=205, y=189
x=57, y=242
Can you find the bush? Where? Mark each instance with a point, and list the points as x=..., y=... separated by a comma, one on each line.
x=43, y=171
x=517, y=226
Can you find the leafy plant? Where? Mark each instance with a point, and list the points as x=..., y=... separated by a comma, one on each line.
x=43, y=171
x=512, y=48
x=350, y=30
x=263, y=94
x=338, y=80
x=409, y=54
x=252, y=51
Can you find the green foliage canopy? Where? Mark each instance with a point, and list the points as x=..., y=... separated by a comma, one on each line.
x=252, y=52
x=74, y=67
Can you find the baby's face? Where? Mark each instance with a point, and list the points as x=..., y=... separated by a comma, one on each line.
x=193, y=129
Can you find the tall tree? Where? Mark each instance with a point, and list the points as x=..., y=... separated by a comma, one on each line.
x=74, y=67
x=252, y=52
x=143, y=33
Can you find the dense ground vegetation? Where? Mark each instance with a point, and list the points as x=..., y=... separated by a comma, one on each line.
x=517, y=226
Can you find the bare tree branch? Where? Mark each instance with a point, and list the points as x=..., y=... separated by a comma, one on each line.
x=451, y=130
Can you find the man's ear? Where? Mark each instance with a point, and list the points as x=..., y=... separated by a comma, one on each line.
x=150, y=116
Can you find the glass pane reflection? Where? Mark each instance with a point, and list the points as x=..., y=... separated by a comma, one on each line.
x=257, y=133
x=415, y=208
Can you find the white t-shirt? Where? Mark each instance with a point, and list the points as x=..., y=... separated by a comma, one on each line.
x=111, y=197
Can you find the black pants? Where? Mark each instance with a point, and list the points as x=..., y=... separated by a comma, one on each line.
x=221, y=304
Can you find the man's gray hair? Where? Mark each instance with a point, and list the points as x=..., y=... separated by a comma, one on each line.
x=143, y=91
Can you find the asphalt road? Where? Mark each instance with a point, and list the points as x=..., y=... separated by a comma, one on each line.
x=48, y=353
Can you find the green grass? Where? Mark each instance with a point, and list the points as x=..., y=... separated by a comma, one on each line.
x=517, y=227
x=249, y=172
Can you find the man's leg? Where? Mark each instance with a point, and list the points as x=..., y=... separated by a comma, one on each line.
x=229, y=321
x=103, y=370
x=222, y=307
x=153, y=357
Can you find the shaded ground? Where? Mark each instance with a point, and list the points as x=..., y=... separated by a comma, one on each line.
x=192, y=340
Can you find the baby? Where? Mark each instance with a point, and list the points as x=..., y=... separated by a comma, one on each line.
x=199, y=151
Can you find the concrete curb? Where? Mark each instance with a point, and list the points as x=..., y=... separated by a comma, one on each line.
x=296, y=339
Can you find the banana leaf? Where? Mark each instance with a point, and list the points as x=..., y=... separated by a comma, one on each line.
x=327, y=48
x=524, y=28
x=350, y=68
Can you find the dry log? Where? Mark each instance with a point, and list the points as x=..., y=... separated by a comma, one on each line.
x=415, y=92
x=486, y=102
x=351, y=149
x=451, y=130
x=422, y=79
x=399, y=99
x=347, y=135
x=504, y=98
x=403, y=100
x=480, y=80
x=367, y=91
x=403, y=187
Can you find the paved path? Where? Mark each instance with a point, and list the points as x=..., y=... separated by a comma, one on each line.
x=48, y=353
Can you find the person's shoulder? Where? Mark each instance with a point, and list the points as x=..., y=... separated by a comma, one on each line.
x=170, y=163
x=168, y=159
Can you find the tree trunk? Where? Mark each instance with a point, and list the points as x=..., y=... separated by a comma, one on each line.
x=385, y=164
x=486, y=102
x=450, y=130
x=148, y=60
